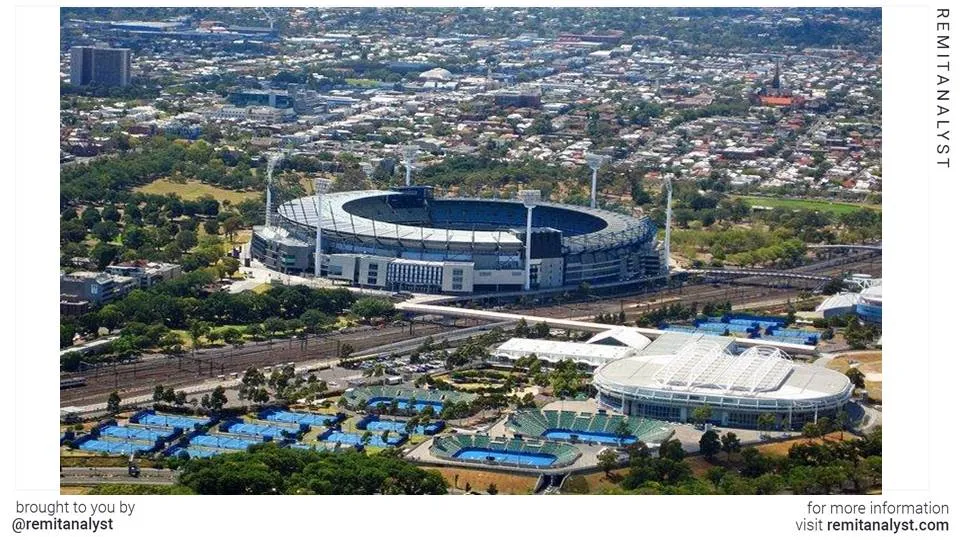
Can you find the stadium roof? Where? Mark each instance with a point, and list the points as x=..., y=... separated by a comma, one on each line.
x=671, y=342
x=618, y=228
x=622, y=335
x=839, y=301
x=702, y=367
x=558, y=351
x=335, y=218
x=874, y=293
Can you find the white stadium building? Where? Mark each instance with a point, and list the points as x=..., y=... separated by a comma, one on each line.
x=679, y=373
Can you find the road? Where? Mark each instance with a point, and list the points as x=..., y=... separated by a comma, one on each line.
x=88, y=476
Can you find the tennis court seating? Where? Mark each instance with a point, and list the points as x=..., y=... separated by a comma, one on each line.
x=533, y=423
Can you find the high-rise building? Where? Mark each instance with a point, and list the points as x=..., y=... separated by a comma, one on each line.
x=100, y=66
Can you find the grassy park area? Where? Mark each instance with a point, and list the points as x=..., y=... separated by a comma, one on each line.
x=193, y=190
x=839, y=208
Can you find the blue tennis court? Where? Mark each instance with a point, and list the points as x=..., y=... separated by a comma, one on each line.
x=112, y=447
x=398, y=426
x=261, y=430
x=195, y=452
x=143, y=434
x=587, y=436
x=349, y=438
x=301, y=418
x=506, y=457
x=214, y=441
x=404, y=404
x=185, y=422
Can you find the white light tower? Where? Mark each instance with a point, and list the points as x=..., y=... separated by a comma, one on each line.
x=594, y=161
x=320, y=186
x=272, y=160
x=409, y=158
x=668, y=185
x=530, y=198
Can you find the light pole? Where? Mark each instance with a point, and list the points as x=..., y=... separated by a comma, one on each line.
x=594, y=161
x=272, y=160
x=668, y=185
x=409, y=157
x=530, y=198
x=320, y=186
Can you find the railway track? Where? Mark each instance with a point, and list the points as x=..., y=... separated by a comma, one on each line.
x=142, y=376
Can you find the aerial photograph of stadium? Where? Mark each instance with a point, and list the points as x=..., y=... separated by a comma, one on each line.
x=479, y=251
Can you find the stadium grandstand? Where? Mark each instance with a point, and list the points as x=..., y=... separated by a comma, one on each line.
x=406, y=239
x=502, y=452
x=602, y=428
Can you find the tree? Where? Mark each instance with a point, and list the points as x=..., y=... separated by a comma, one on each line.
x=492, y=489
x=232, y=336
x=840, y=421
x=104, y=254
x=113, y=403
x=521, y=329
x=710, y=444
x=231, y=225
x=269, y=469
x=672, y=450
x=171, y=344
x=346, y=350
x=218, y=398
x=622, y=430
x=260, y=396
x=90, y=217
x=105, y=230
x=766, y=421
x=857, y=379
x=731, y=443
x=370, y=307
x=701, y=414
x=811, y=430
x=158, y=393
x=169, y=394
x=716, y=475
x=541, y=330
x=180, y=398
x=67, y=333
x=198, y=329
x=607, y=461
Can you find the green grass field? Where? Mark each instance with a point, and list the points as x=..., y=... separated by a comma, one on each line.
x=839, y=208
x=192, y=190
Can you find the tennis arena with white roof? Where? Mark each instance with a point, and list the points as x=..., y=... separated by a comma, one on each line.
x=678, y=373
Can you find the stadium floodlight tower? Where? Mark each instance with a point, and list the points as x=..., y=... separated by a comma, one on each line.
x=594, y=161
x=668, y=185
x=273, y=159
x=320, y=186
x=409, y=158
x=530, y=198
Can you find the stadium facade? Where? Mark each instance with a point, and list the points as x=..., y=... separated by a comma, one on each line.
x=677, y=374
x=405, y=239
